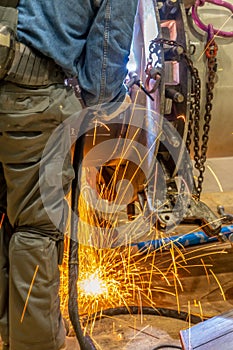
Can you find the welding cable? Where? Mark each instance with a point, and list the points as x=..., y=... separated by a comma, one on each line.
x=145, y=310
x=85, y=342
x=185, y=240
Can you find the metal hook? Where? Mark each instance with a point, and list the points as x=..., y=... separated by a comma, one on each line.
x=210, y=32
x=204, y=27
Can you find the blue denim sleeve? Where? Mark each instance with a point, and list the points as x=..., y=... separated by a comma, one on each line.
x=102, y=67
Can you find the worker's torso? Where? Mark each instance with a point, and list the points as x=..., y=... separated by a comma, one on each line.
x=58, y=28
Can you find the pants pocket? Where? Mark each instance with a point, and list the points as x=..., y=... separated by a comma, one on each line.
x=35, y=317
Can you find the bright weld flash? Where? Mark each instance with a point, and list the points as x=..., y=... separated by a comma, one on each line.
x=93, y=285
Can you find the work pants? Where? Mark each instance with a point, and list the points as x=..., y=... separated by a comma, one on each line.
x=29, y=273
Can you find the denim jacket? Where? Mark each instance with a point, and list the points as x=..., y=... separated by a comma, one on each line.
x=90, y=39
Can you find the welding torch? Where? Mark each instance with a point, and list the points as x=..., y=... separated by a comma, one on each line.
x=135, y=80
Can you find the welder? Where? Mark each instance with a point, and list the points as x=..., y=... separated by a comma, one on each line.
x=42, y=43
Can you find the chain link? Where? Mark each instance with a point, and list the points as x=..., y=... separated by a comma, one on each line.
x=200, y=150
x=210, y=83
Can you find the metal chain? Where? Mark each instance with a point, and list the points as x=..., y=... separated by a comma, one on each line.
x=200, y=151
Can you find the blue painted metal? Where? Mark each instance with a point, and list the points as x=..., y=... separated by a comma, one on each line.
x=185, y=240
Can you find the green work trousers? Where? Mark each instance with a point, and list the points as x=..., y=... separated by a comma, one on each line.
x=30, y=317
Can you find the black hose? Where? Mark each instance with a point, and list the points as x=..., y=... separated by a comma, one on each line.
x=145, y=310
x=85, y=342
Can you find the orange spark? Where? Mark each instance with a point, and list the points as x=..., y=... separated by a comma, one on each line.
x=29, y=293
x=2, y=219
